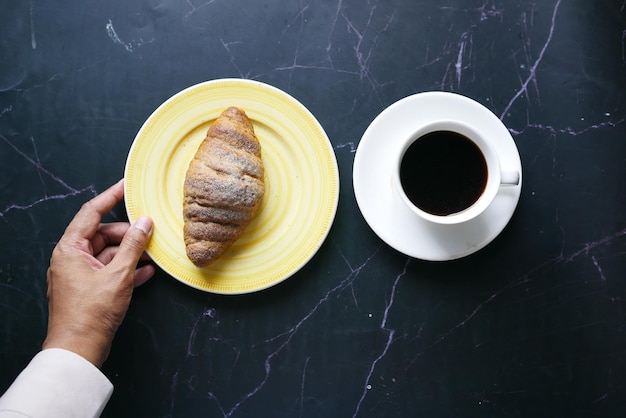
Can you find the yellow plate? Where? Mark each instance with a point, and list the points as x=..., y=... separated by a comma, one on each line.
x=301, y=184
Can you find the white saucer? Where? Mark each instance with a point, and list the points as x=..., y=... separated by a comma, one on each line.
x=382, y=207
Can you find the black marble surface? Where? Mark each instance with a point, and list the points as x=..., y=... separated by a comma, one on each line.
x=532, y=325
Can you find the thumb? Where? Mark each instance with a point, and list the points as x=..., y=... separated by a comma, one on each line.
x=134, y=243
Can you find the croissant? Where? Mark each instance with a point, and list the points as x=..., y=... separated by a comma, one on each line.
x=224, y=187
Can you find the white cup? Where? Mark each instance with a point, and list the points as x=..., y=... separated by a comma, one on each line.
x=452, y=175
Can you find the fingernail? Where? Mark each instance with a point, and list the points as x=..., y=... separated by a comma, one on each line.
x=144, y=224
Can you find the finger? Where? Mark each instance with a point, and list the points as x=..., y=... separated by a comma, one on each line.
x=108, y=234
x=133, y=244
x=145, y=257
x=106, y=255
x=86, y=222
x=143, y=274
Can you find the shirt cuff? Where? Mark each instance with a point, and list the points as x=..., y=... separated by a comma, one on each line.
x=58, y=383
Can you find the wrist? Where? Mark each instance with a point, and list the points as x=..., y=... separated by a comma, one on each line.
x=92, y=346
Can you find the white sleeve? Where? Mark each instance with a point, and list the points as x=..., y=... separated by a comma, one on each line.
x=57, y=383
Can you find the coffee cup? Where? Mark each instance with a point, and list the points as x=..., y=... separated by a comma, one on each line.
x=447, y=172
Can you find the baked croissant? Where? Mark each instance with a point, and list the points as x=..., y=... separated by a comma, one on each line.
x=224, y=187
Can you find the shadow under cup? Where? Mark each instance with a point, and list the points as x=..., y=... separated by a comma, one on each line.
x=448, y=173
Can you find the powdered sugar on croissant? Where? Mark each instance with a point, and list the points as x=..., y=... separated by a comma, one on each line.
x=224, y=187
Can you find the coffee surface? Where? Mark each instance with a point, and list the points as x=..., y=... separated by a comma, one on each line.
x=443, y=172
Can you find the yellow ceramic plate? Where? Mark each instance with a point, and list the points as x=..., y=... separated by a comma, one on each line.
x=301, y=184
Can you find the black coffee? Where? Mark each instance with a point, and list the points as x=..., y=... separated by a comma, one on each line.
x=443, y=172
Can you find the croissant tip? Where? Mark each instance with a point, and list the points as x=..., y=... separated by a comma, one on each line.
x=199, y=260
x=234, y=109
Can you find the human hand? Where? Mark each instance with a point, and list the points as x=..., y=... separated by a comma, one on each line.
x=93, y=270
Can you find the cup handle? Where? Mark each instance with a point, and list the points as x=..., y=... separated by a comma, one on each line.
x=509, y=178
